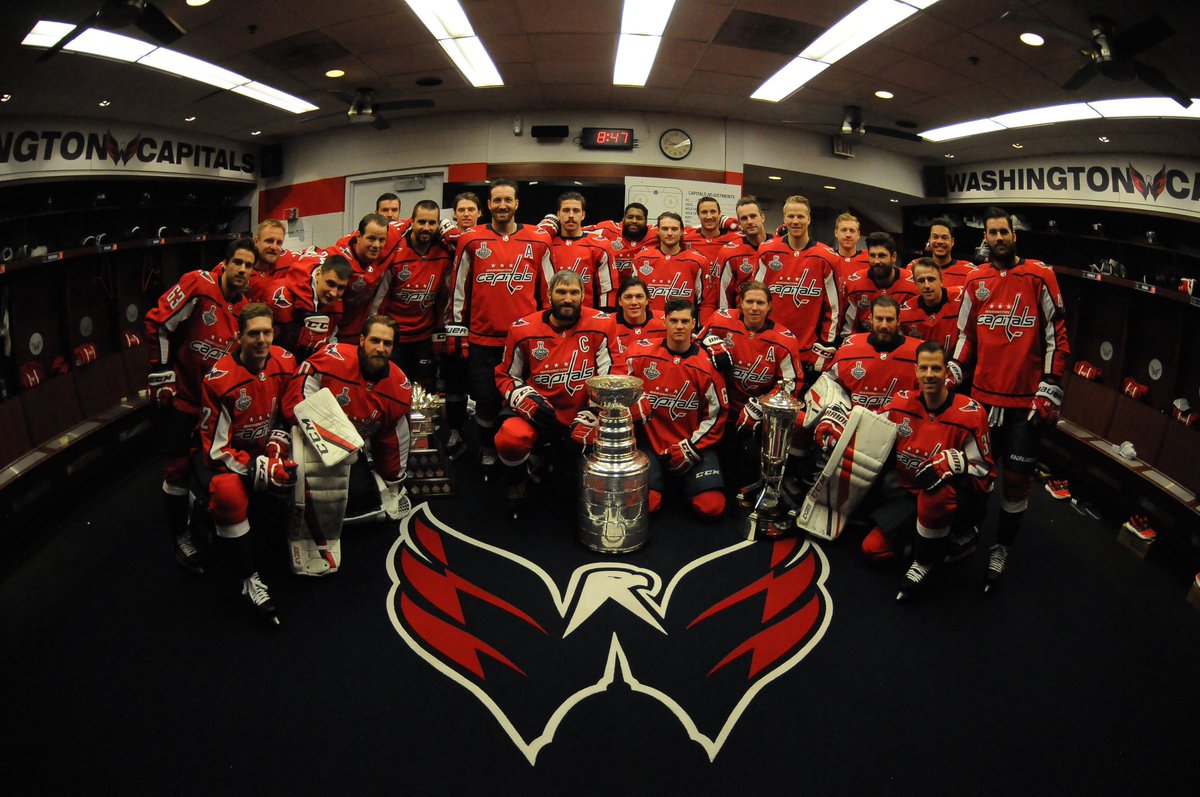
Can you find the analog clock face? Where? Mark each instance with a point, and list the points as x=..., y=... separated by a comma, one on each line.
x=675, y=144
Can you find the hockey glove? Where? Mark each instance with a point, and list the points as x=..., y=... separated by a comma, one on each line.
x=162, y=388
x=946, y=465
x=641, y=409
x=954, y=374
x=729, y=224
x=681, y=456
x=1046, y=403
x=445, y=227
x=585, y=428
x=550, y=223
x=456, y=341
x=750, y=416
x=829, y=429
x=718, y=352
x=824, y=355
x=314, y=333
x=279, y=444
x=531, y=405
x=273, y=473
x=395, y=501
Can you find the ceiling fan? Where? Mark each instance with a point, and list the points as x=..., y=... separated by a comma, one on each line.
x=1111, y=52
x=852, y=125
x=362, y=108
x=117, y=14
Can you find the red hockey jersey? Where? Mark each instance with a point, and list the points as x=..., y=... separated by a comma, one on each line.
x=687, y=393
x=939, y=324
x=1012, y=328
x=874, y=377
x=496, y=280
x=627, y=334
x=364, y=288
x=241, y=408
x=378, y=410
x=861, y=291
x=760, y=359
x=303, y=327
x=677, y=276
x=735, y=263
x=192, y=326
x=954, y=273
x=960, y=423
x=592, y=258
x=846, y=267
x=415, y=291
x=709, y=248
x=624, y=250
x=557, y=363
x=803, y=289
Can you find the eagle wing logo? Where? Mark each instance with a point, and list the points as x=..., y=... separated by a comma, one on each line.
x=1159, y=184
x=1139, y=182
x=531, y=650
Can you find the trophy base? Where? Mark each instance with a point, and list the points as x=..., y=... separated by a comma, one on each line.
x=758, y=526
x=430, y=472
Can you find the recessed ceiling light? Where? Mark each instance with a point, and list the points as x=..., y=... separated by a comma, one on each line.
x=534, y=182
x=1032, y=39
x=884, y=95
x=105, y=103
x=255, y=132
x=5, y=97
x=948, y=155
x=197, y=3
x=189, y=118
x=897, y=201
x=336, y=73
x=1018, y=146
x=829, y=187
x=576, y=182
x=774, y=177
x=1104, y=139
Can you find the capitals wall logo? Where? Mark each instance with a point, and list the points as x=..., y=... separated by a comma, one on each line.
x=531, y=649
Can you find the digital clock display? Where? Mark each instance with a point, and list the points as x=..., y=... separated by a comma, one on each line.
x=606, y=138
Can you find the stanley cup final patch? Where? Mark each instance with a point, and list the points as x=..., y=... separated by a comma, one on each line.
x=530, y=649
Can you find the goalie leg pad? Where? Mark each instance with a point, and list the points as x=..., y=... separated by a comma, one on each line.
x=855, y=463
x=824, y=392
x=314, y=534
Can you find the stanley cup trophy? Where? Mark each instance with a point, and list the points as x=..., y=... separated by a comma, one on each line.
x=429, y=470
x=767, y=512
x=613, y=511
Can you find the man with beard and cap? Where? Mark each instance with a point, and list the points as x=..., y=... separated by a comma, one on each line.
x=735, y=262
x=1012, y=330
x=941, y=249
x=500, y=275
x=629, y=237
x=193, y=325
x=882, y=278
x=414, y=293
x=933, y=315
x=548, y=358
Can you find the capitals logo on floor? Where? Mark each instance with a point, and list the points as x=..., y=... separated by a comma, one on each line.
x=704, y=641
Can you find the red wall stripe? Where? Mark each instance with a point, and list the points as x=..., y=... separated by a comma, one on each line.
x=734, y=178
x=312, y=198
x=467, y=173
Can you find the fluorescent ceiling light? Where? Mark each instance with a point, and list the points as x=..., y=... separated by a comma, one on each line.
x=124, y=48
x=472, y=59
x=866, y=22
x=635, y=59
x=1048, y=116
x=962, y=130
x=1145, y=107
x=448, y=23
x=646, y=17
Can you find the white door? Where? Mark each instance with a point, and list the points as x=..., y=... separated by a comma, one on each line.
x=411, y=186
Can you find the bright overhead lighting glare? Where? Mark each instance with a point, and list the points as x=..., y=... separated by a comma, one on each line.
x=883, y=94
x=123, y=48
x=774, y=177
x=1130, y=108
x=189, y=118
x=1017, y=145
x=950, y=156
x=1104, y=139
x=829, y=187
x=1047, y=116
x=866, y=22
x=197, y=3
x=105, y=103
x=5, y=97
x=256, y=132
x=448, y=23
x=1032, y=39
x=1146, y=108
x=646, y=17
x=642, y=26
x=896, y=201
x=962, y=130
x=336, y=73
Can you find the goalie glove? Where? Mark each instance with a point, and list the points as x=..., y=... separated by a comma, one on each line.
x=829, y=429
x=946, y=465
x=585, y=428
x=394, y=500
x=273, y=473
x=824, y=355
x=1046, y=403
x=954, y=374
x=531, y=405
x=641, y=409
x=279, y=444
x=750, y=416
x=456, y=341
x=162, y=388
x=681, y=456
x=718, y=352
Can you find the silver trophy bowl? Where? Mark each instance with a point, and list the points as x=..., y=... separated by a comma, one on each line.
x=614, y=515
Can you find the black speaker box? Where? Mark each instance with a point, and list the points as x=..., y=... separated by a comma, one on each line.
x=270, y=161
x=549, y=131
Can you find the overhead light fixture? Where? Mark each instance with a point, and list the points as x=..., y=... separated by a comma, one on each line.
x=1018, y=145
x=5, y=97
x=336, y=73
x=256, y=132
x=114, y=46
x=883, y=94
x=774, y=177
x=949, y=155
x=895, y=201
x=189, y=118
x=642, y=26
x=105, y=103
x=829, y=187
x=1129, y=108
x=448, y=23
x=1032, y=39
x=197, y=3
x=1104, y=139
x=870, y=20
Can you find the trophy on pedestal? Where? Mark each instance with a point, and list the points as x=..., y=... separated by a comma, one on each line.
x=614, y=515
x=429, y=472
x=766, y=512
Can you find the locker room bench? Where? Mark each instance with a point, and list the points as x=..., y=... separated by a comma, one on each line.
x=56, y=431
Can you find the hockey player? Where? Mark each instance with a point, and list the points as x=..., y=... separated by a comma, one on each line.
x=308, y=305
x=1012, y=329
x=873, y=366
x=629, y=237
x=714, y=231
x=882, y=278
x=941, y=249
x=846, y=231
x=799, y=272
x=548, y=358
x=943, y=467
x=736, y=262
x=634, y=319
x=243, y=449
x=669, y=270
x=415, y=292
x=273, y=260
x=689, y=404
x=467, y=210
x=933, y=315
x=369, y=252
x=388, y=205
x=193, y=326
x=500, y=275
x=589, y=256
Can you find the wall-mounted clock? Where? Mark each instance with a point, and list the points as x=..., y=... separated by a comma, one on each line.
x=676, y=144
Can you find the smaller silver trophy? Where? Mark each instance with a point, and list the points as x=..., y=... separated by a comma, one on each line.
x=429, y=472
x=614, y=514
x=766, y=512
